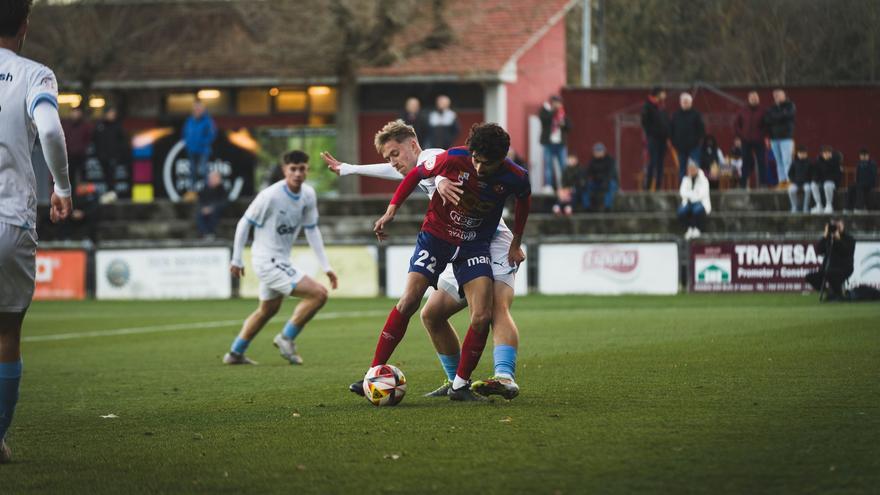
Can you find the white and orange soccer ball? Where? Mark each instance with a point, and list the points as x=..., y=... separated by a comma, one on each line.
x=384, y=385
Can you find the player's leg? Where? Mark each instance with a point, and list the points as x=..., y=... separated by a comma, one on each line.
x=314, y=296
x=505, y=336
x=441, y=305
x=252, y=325
x=479, y=295
x=10, y=374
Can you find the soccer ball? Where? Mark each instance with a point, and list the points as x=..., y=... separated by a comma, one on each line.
x=384, y=385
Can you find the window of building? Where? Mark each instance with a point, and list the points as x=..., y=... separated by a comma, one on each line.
x=322, y=99
x=291, y=100
x=179, y=103
x=253, y=102
x=67, y=102
x=216, y=101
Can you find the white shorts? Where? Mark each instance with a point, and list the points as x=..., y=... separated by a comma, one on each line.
x=501, y=269
x=18, y=267
x=277, y=277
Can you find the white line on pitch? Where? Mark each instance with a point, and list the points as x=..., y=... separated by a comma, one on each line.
x=181, y=326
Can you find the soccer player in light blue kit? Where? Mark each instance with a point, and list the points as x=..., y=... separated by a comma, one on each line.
x=28, y=107
x=277, y=214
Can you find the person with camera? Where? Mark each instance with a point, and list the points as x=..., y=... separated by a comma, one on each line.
x=839, y=249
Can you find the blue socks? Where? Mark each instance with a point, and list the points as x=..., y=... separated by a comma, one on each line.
x=290, y=330
x=239, y=345
x=450, y=364
x=10, y=377
x=505, y=361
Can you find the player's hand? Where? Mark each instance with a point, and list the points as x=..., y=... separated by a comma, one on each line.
x=60, y=209
x=333, y=164
x=450, y=191
x=516, y=255
x=334, y=280
x=236, y=271
x=826, y=231
x=379, y=226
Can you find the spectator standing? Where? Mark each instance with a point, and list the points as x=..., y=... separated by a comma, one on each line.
x=212, y=201
x=711, y=160
x=750, y=129
x=686, y=131
x=601, y=179
x=827, y=177
x=695, y=201
x=443, y=125
x=800, y=176
x=112, y=150
x=199, y=132
x=866, y=181
x=414, y=116
x=655, y=124
x=779, y=120
x=554, y=130
x=78, y=136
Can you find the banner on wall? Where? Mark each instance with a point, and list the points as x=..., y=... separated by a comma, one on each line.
x=397, y=267
x=866, y=265
x=752, y=266
x=60, y=275
x=631, y=268
x=357, y=268
x=196, y=273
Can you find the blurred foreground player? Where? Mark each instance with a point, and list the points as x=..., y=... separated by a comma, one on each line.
x=459, y=234
x=399, y=144
x=28, y=107
x=278, y=213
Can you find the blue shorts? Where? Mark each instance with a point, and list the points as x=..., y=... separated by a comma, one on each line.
x=470, y=260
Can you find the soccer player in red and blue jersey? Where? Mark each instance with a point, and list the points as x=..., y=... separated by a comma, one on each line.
x=460, y=234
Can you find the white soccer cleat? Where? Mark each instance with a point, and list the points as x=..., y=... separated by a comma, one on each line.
x=236, y=358
x=5, y=453
x=696, y=233
x=829, y=209
x=816, y=210
x=287, y=348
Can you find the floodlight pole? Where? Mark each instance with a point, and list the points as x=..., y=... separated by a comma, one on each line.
x=586, y=43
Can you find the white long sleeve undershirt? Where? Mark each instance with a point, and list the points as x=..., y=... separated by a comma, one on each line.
x=241, y=234
x=54, y=149
x=378, y=170
x=316, y=241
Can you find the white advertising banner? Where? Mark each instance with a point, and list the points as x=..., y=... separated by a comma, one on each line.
x=197, y=273
x=397, y=267
x=866, y=265
x=632, y=268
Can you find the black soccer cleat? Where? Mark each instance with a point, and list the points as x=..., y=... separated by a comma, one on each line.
x=465, y=394
x=357, y=388
x=505, y=387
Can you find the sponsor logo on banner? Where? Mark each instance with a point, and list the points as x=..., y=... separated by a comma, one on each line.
x=866, y=265
x=613, y=260
x=60, y=275
x=713, y=269
x=756, y=266
x=193, y=273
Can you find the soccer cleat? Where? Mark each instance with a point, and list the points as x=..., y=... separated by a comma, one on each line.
x=288, y=349
x=465, y=394
x=236, y=358
x=505, y=387
x=357, y=388
x=443, y=391
x=5, y=453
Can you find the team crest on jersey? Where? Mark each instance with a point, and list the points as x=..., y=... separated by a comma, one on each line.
x=463, y=176
x=499, y=189
x=430, y=162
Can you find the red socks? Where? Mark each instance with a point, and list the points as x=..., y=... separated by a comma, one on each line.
x=392, y=334
x=471, y=350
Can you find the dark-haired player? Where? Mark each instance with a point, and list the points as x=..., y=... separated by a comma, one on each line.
x=28, y=107
x=277, y=214
x=459, y=234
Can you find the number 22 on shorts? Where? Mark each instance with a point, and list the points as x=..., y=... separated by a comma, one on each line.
x=423, y=255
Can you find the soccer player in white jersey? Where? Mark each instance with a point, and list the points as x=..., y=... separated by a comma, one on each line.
x=28, y=108
x=398, y=143
x=277, y=214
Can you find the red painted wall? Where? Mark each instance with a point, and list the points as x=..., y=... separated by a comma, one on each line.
x=540, y=73
x=371, y=122
x=846, y=118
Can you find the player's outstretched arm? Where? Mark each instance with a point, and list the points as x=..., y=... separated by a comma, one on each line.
x=377, y=170
x=316, y=241
x=55, y=152
x=241, y=234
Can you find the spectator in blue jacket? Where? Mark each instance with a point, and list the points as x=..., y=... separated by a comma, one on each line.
x=199, y=133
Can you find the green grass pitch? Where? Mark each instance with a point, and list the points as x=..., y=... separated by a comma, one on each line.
x=739, y=394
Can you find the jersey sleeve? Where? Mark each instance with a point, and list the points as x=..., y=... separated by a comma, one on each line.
x=433, y=166
x=525, y=187
x=42, y=86
x=258, y=211
x=310, y=213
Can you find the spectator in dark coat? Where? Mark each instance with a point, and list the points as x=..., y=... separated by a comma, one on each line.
x=711, y=160
x=866, y=181
x=78, y=137
x=570, y=184
x=686, y=131
x=212, y=201
x=800, y=176
x=443, y=126
x=655, y=124
x=554, y=131
x=749, y=127
x=779, y=120
x=414, y=116
x=827, y=175
x=112, y=150
x=601, y=179
x=839, y=248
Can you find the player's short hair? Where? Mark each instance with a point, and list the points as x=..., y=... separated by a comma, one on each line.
x=295, y=156
x=13, y=13
x=489, y=141
x=396, y=130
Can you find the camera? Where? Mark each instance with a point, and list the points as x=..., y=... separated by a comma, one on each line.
x=832, y=227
